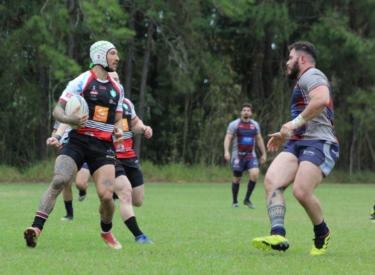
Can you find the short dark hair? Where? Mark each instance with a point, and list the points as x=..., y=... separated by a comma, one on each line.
x=304, y=46
x=246, y=105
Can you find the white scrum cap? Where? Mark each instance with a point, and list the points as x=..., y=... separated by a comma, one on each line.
x=98, y=52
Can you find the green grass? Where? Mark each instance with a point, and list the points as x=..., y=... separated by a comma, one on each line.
x=195, y=231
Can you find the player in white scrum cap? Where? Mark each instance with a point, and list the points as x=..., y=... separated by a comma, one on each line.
x=91, y=142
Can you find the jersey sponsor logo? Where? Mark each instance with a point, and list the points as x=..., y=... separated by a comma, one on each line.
x=120, y=148
x=125, y=124
x=94, y=92
x=102, y=87
x=89, y=134
x=247, y=140
x=113, y=93
x=80, y=87
x=111, y=101
x=69, y=95
x=101, y=113
x=125, y=106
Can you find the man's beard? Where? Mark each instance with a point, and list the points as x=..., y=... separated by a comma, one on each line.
x=246, y=117
x=294, y=71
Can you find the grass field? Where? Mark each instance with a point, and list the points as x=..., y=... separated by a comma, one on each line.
x=195, y=231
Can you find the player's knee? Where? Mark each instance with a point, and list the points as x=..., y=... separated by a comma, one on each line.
x=254, y=178
x=59, y=182
x=125, y=195
x=269, y=182
x=137, y=202
x=300, y=194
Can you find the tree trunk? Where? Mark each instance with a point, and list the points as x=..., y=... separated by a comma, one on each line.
x=256, y=83
x=142, y=92
x=43, y=123
x=129, y=52
x=72, y=20
x=267, y=67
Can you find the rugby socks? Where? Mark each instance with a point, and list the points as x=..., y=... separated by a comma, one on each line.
x=82, y=193
x=69, y=207
x=321, y=230
x=105, y=225
x=132, y=225
x=39, y=220
x=250, y=188
x=278, y=230
x=235, y=189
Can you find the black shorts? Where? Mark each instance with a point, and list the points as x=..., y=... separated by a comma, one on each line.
x=95, y=152
x=131, y=169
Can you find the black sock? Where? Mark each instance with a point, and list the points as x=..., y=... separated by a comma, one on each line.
x=132, y=225
x=235, y=189
x=82, y=193
x=69, y=208
x=106, y=226
x=321, y=230
x=250, y=188
x=39, y=221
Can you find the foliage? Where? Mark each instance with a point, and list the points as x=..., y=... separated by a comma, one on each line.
x=208, y=57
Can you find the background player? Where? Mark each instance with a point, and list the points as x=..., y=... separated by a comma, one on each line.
x=246, y=133
x=129, y=186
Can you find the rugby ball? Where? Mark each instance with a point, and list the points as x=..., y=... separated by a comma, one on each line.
x=73, y=103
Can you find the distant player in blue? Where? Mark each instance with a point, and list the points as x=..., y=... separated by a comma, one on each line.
x=311, y=151
x=246, y=133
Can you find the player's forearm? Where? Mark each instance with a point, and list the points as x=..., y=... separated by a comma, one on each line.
x=59, y=113
x=61, y=129
x=137, y=128
x=118, y=121
x=226, y=144
x=262, y=148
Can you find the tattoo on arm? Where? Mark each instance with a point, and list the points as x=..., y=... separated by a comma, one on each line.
x=59, y=112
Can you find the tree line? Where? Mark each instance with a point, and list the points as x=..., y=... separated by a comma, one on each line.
x=188, y=66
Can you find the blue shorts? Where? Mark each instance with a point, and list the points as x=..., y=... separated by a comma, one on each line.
x=323, y=154
x=241, y=165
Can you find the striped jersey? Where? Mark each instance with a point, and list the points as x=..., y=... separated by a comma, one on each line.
x=243, y=138
x=125, y=150
x=104, y=100
x=322, y=126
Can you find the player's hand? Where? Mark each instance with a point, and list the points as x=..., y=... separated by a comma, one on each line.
x=75, y=119
x=119, y=135
x=276, y=140
x=147, y=131
x=263, y=159
x=287, y=129
x=52, y=141
x=227, y=156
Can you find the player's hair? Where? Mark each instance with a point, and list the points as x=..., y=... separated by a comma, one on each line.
x=304, y=46
x=246, y=105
